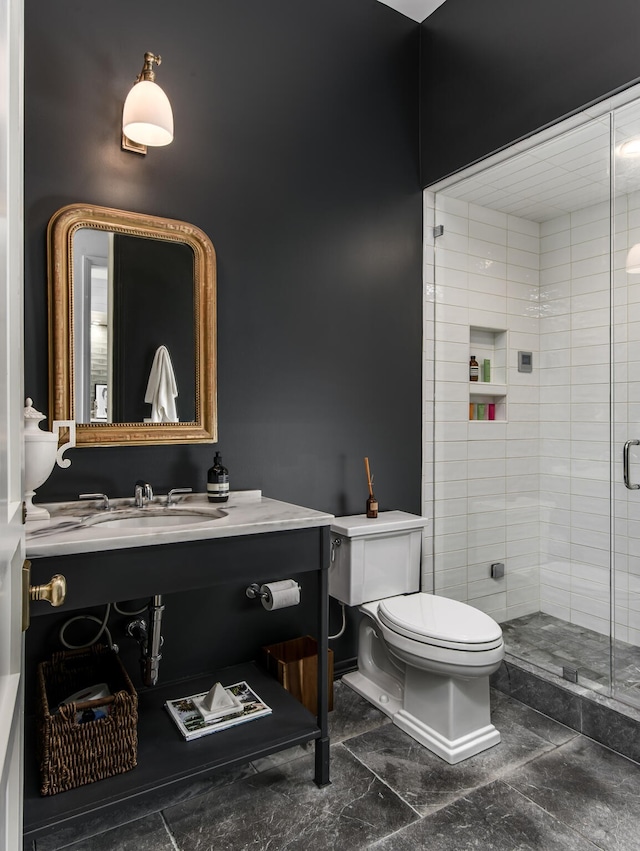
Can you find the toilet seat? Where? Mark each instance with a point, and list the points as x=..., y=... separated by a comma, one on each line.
x=440, y=622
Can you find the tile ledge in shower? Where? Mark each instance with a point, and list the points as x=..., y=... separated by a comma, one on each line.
x=597, y=716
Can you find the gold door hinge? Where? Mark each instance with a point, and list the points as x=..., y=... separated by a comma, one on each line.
x=26, y=582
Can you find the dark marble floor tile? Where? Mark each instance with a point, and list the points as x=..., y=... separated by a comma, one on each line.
x=147, y=834
x=133, y=809
x=282, y=808
x=611, y=729
x=428, y=783
x=589, y=788
x=538, y=693
x=494, y=817
x=352, y=715
x=281, y=757
x=508, y=714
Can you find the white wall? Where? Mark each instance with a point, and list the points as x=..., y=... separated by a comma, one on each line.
x=574, y=418
x=482, y=490
x=533, y=491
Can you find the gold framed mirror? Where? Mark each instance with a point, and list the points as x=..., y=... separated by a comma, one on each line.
x=132, y=327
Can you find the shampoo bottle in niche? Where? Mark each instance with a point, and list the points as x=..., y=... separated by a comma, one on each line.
x=218, y=481
x=474, y=369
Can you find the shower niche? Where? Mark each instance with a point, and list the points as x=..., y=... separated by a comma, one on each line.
x=488, y=398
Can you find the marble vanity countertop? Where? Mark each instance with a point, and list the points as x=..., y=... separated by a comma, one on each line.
x=80, y=527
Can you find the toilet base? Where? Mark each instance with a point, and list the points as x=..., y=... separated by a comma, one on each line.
x=448, y=714
x=450, y=750
x=386, y=700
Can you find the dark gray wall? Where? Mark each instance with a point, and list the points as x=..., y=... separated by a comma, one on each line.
x=296, y=152
x=496, y=71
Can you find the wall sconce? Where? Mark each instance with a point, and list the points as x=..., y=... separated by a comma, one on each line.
x=147, y=118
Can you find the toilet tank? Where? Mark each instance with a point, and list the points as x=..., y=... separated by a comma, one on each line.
x=375, y=558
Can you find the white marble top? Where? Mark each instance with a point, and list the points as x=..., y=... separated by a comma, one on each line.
x=79, y=527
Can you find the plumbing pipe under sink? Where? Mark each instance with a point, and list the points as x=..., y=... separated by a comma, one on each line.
x=150, y=641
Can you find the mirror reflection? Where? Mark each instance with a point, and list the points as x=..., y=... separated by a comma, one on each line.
x=134, y=341
x=132, y=323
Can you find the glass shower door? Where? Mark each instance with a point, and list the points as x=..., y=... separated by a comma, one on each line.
x=626, y=405
x=522, y=461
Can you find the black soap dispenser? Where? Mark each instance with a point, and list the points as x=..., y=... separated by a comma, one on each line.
x=218, y=481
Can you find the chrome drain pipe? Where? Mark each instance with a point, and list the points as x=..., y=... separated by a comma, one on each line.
x=150, y=640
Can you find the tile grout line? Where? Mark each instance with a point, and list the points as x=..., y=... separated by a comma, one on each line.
x=499, y=777
x=384, y=783
x=169, y=833
x=551, y=815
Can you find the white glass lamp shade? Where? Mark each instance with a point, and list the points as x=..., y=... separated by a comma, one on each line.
x=147, y=117
x=633, y=260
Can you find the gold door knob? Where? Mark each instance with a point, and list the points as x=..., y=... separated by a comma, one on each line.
x=54, y=591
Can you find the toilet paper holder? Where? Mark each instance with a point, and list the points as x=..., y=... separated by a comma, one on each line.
x=275, y=595
x=254, y=591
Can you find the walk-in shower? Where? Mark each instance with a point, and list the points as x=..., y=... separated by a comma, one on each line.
x=525, y=268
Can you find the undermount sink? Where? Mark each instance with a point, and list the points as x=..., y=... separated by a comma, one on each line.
x=159, y=519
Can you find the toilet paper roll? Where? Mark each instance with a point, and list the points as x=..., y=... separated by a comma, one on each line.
x=280, y=595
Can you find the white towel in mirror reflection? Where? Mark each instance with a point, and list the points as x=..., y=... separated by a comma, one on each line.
x=162, y=389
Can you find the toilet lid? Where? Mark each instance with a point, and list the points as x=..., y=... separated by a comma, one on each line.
x=438, y=620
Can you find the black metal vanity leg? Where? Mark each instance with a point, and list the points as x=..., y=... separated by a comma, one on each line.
x=321, y=777
x=322, y=744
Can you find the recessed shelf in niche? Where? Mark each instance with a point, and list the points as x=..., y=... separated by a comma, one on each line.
x=483, y=388
x=488, y=399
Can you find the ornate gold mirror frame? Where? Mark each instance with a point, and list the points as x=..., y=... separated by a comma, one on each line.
x=60, y=233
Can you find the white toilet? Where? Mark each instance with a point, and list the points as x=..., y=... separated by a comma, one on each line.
x=424, y=660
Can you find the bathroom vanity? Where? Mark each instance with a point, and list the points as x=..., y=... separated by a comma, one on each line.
x=256, y=540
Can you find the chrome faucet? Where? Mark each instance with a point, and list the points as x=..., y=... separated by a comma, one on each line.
x=101, y=496
x=173, y=492
x=142, y=491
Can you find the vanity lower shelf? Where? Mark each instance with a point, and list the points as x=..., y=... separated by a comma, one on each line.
x=165, y=759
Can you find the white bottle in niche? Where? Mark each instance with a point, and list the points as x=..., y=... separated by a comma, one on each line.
x=41, y=452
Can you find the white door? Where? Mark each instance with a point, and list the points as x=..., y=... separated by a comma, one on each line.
x=11, y=404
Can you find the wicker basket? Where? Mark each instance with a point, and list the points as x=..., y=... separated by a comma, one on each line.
x=72, y=752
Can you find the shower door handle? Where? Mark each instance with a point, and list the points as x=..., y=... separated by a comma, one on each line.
x=625, y=464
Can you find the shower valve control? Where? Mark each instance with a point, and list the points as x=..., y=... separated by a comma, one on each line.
x=497, y=570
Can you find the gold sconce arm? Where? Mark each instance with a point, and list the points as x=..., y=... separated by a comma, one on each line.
x=147, y=72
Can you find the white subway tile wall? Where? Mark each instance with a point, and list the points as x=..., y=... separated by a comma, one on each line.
x=532, y=491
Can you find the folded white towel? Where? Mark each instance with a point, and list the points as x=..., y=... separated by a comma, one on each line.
x=162, y=389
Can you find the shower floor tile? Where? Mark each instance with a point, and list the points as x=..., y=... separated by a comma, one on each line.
x=552, y=644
